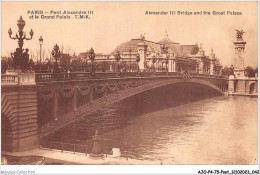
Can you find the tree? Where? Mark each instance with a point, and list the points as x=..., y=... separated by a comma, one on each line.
x=6, y=63
x=249, y=71
x=226, y=71
x=256, y=71
x=77, y=64
x=65, y=60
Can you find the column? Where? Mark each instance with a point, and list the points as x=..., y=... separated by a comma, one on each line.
x=170, y=66
x=231, y=84
x=211, y=68
x=174, y=66
x=201, y=67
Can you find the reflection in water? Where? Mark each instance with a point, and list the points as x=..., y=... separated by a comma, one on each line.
x=219, y=130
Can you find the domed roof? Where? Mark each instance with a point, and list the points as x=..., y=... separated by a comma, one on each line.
x=132, y=44
x=189, y=49
x=173, y=46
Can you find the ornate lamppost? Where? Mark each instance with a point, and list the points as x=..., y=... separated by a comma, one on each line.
x=92, y=58
x=118, y=58
x=56, y=54
x=154, y=60
x=40, y=42
x=167, y=62
x=130, y=53
x=138, y=60
x=19, y=57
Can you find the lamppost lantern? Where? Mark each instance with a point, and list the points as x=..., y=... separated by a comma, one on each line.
x=118, y=58
x=154, y=60
x=19, y=57
x=92, y=57
x=167, y=62
x=56, y=54
x=22, y=36
x=21, y=23
x=92, y=54
x=130, y=53
x=40, y=40
x=31, y=33
x=56, y=48
x=138, y=58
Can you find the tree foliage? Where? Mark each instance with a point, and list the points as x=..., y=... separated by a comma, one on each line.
x=249, y=71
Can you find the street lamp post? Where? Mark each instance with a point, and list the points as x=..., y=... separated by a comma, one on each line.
x=167, y=62
x=154, y=60
x=40, y=42
x=19, y=60
x=138, y=60
x=118, y=58
x=56, y=54
x=130, y=52
x=92, y=58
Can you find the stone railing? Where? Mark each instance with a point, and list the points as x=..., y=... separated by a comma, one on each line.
x=45, y=77
x=9, y=79
x=48, y=77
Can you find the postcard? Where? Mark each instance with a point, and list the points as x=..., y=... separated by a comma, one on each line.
x=129, y=83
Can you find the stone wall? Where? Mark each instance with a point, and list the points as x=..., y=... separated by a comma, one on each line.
x=19, y=118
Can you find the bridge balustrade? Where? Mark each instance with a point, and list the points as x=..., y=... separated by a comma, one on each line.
x=43, y=77
x=9, y=79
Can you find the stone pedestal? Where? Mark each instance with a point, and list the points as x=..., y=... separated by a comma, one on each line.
x=24, y=77
x=239, y=58
x=241, y=86
x=231, y=84
x=19, y=118
x=19, y=108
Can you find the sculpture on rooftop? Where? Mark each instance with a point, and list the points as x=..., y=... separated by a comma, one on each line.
x=142, y=37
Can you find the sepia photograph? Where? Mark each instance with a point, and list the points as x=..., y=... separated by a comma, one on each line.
x=129, y=83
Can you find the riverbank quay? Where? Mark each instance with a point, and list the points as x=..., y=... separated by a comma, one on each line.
x=56, y=157
x=244, y=94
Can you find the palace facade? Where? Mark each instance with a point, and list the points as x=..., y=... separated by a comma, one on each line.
x=164, y=55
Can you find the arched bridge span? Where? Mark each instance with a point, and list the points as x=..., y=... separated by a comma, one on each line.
x=34, y=111
x=112, y=92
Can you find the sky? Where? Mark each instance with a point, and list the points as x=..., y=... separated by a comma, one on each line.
x=113, y=23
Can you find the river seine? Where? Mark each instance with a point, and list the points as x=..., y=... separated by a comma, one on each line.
x=218, y=130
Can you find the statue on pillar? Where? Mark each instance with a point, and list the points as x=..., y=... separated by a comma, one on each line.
x=201, y=51
x=239, y=54
x=20, y=58
x=240, y=34
x=25, y=59
x=16, y=57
